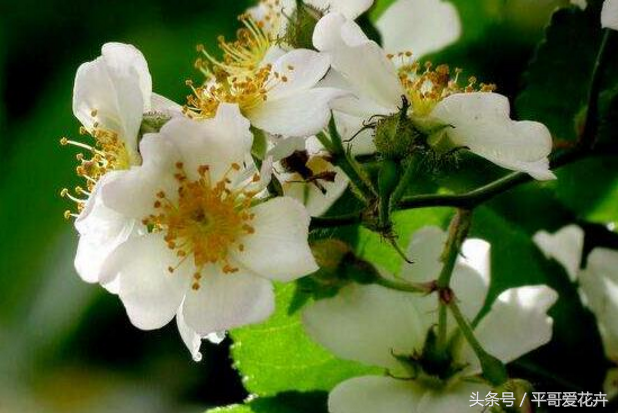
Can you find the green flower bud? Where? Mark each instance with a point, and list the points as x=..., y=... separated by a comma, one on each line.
x=299, y=33
x=396, y=136
x=152, y=122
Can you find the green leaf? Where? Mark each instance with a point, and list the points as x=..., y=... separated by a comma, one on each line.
x=558, y=78
x=278, y=356
x=589, y=188
x=292, y=402
x=374, y=249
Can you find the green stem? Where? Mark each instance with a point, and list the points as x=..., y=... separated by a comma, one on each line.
x=486, y=192
x=442, y=327
x=591, y=124
x=404, y=183
x=335, y=221
x=493, y=369
x=405, y=286
x=458, y=231
x=349, y=166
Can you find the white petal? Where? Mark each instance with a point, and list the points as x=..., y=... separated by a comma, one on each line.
x=133, y=192
x=149, y=292
x=419, y=26
x=161, y=104
x=470, y=280
x=609, y=14
x=471, y=277
x=226, y=301
x=218, y=142
x=192, y=340
x=425, y=250
x=349, y=127
x=349, y=8
x=358, y=103
x=285, y=147
x=375, y=394
x=302, y=68
x=309, y=194
x=127, y=58
x=565, y=246
x=216, y=338
x=279, y=248
x=599, y=285
x=117, y=85
x=480, y=121
x=455, y=398
x=516, y=324
x=101, y=230
x=303, y=113
x=361, y=61
x=368, y=324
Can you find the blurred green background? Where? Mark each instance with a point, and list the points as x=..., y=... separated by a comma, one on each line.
x=66, y=346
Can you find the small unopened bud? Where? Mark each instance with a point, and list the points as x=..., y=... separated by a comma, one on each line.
x=152, y=123
x=396, y=137
x=301, y=24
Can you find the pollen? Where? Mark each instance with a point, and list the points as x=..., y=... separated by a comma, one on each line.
x=425, y=85
x=240, y=77
x=206, y=222
x=105, y=152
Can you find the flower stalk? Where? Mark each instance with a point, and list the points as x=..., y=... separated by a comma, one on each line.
x=493, y=369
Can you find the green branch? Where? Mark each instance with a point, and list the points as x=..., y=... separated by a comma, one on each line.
x=458, y=231
x=493, y=369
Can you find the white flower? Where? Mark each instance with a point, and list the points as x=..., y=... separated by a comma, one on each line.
x=275, y=90
x=305, y=172
x=609, y=14
x=111, y=94
x=420, y=26
x=213, y=248
x=598, y=285
x=371, y=324
x=478, y=121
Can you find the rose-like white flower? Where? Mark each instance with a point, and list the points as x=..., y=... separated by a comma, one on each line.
x=372, y=324
x=478, y=120
x=213, y=248
x=111, y=95
x=598, y=285
x=276, y=90
x=609, y=14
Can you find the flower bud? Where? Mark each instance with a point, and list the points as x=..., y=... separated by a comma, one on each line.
x=396, y=136
x=152, y=122
x=299, y=33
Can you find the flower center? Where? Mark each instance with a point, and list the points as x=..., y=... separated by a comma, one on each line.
x=107, y=153
x=206, y=221
x=239, y=77
x=426, y=86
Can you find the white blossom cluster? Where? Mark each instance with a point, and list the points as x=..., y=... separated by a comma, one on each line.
x=179, y=217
